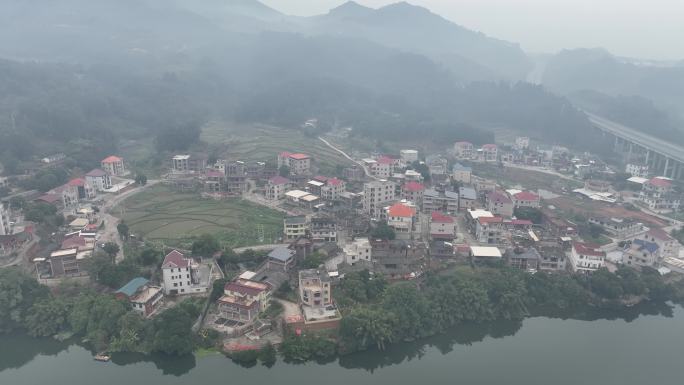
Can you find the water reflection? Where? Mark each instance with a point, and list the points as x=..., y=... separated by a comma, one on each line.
x=168, y=364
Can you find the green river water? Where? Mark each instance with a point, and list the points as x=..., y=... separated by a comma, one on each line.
x=642, y=346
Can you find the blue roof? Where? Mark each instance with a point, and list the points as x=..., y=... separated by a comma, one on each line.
x=650, y=246
x=282, y=254
x=133, y=286
x=460, y=167
x=467, y=193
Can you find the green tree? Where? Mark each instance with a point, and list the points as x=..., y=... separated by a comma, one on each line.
x=284, y=171
x=123, y=230
x=606, y=284
x=18, y=294
x=173, y=333
x=111, y=249
x=383, y=231
x=366, y=326
x=529, y=213
x=312, y=261
x=267, y=355
x=47, y=317
x=205, y=246
x=141, y=179
x=150, y=256
x=411, y=310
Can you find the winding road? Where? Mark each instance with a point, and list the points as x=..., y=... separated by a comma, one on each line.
x=363, y=166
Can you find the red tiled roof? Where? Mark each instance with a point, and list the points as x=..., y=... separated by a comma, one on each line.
x=285, y=154
x=489, y=146
x=522, y=222
x=496, y=196
x=214, y=174
x=49, y=198
x=414, y=187
x=299, y=156
x=77, y=182
x=242, y=289
x=441, y=218
x=660, y=234
x=175, y=259
x=96, y=173
x=321, y=178
x=335, y=182
x=278, y=180
x=660, y=182
x=526, y=196
x=111, y=159
x=401, y=210
x=73, y=242
x=587, y=249
x=385, y=160
x=485, y=220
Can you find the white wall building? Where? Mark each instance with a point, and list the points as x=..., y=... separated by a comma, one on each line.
x=376, y=195
x=584, y=258
x=359, y=250
x=182, y=275
x=408, y=156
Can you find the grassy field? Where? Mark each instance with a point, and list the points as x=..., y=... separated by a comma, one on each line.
x=262, y=143
x=163, y=215
x=527, y=179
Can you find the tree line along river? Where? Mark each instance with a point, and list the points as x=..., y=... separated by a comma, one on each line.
x=642, y=345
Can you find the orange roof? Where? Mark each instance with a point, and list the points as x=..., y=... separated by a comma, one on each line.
x=77, y=182
x=484, y=220
x=660, y=182
x=401, y=210
x=111, y=159
x=526, y=196
x=299, y=156
x=438, y=217
x=413, y=187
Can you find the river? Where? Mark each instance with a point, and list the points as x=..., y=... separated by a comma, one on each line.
x=644, y=346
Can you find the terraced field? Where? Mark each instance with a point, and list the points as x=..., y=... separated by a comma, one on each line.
x=262, y=143
x=163, y=215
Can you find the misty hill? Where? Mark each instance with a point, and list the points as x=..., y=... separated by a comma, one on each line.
x=598, y=70
x=416, y=29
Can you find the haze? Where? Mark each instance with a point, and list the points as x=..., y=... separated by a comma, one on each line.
x=632, y=28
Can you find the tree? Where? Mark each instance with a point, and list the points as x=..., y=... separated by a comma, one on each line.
x=267, y=355
x=205, y=246
x=529, y=213
x=606, y=284
x=284, y=171
x=367, y=326
x=150, y=256
x=423, y=169
x=111, y=249
x=383, y=231
x=173, y=333
x=141, y=179
x=18, y=294
x=123, y=230
x=411, y=310
x=312, y=261
x=47, y=317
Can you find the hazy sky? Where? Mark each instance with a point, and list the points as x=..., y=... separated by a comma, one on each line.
x=638, y=28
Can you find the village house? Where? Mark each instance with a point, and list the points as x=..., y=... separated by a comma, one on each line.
x=353, y=173
x=315, y=288
x=467, y=198
x=402, y=218
x=63, y=263
x=181, y=275
x=463, y=150
x=323, y=229
x=413, y=192
x=490, y=230
x=295, y=227
x=523, y=259
x=382, y=167
x=620, y=228
x=526, y=199
x=276, y=188
x=332, y=189
x=437, y=165
x=5, y=228
x=434, y=200
x=297, y=163
x=408, y=156
x=281, y=258
x=500, y=204
x=186, y=163
x=553, y=257
x=73, y=192
x=376, y=195
x=522, y=143
x=586, y=258
x=637, y=170
x=642, y=253
x=214, y=181
x=143, y=297
x=113, y=165
x=99, y=179
x=442, y=227
x=657, y=194
x=358, y=250
x=398, y=259
x=236, y=177
x=668, y=246
x=243, y=300
x=481, y=254
x=461, y=173
x=489, y=153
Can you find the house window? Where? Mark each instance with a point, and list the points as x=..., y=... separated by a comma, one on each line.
x=175, y=284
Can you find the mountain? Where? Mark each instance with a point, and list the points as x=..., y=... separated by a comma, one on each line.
x=416, y=29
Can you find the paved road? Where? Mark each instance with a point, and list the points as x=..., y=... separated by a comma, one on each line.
x=260, y=247
x=21, y=255
x=363, y=166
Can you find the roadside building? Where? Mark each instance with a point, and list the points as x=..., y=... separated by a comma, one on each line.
x=668, y=246
x=489, y=153
x=658, y=195
x=642, y=253
x=181, y=275
x=298, y=164
x=467, y=198
x=490, y=230
x=402, y=218
x=281, y=258
x=620, y=228
x=276, y=188
x=73, y=192
x=243, y=300
x=408, y=156
x=413, y=192
x=442, y=227
x=461, y=173
x=434, y=200
x=586, y=257
x=637, y=170
x=526, y=199
x=358, y=250
x=295, y=227
x=113, y=165
x=236, y=177
x=323, y=229
x=464, y=150
x=315, y=288
x=99, y=179
x=500, y=204
x=376, y=195
x=523, y=259
x=143, y=297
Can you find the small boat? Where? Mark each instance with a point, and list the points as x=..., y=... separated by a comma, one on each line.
x=102, y=357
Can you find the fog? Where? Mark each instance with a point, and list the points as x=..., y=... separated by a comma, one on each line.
x=633, y=28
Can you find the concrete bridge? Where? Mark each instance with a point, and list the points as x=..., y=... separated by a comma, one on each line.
x=663, y=158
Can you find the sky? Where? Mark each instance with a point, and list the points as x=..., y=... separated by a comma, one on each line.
x=649, y=29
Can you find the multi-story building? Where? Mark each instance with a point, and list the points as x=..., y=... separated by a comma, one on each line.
x=398, y=259
x=99, y=179
x=669, y=247
x=358, y=250
x=243, y=300
x=522, y=143
x=295, y=227
x=144, y=298
x=75, y=191
x=314, y=288
x=408, y=156
x=553, y=257
x=500, y=204
x=376, y=195
x=489, y=153
x=437, y=165
x=620, y=228
x=526, y=199
x=298, y=163
x=461, y=173
x=586, y=258
x=642, y=253
x=382, y=167
x=353, y=173
x=658, y=195
x=236, y=177
x=332, y=189
x=413, y=192
x=434, y=200
x=467, y=198
x=402, y=218
x=4, y=220
x=276, y=188
x=113, y=165
x=464, y=150
x=185, y=163
x=523, y=259
x=323, y=229
x=442, y=227
x=214, y=181
x=181, y=275
x=490, y=230
x=638, y=170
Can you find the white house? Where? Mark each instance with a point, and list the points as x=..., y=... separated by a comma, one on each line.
x=99, y=179
x=586, y=258
x=359, y=250
x=182, y=275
